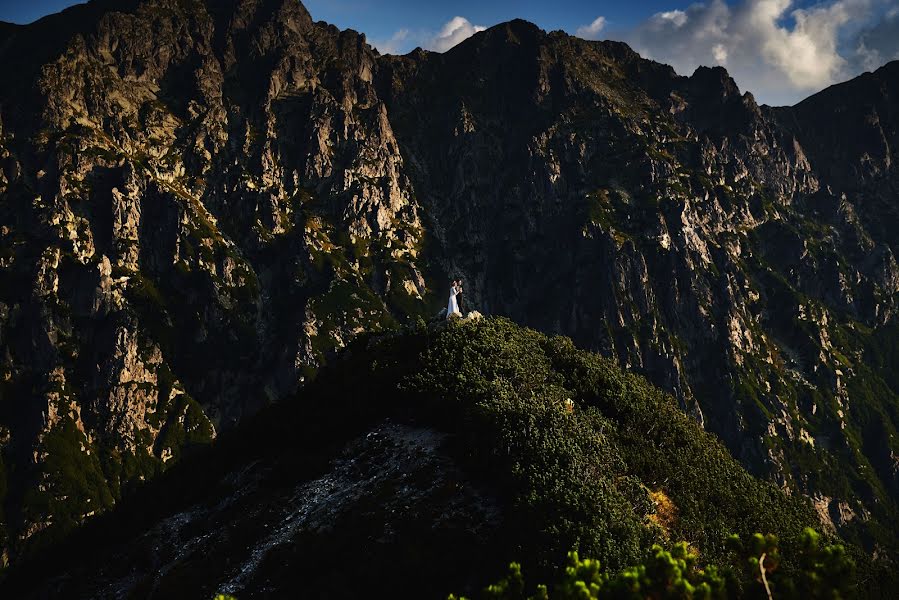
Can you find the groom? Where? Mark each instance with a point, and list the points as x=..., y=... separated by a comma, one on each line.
x=459, y=297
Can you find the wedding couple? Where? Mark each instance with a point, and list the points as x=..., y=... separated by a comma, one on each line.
x=455, y=306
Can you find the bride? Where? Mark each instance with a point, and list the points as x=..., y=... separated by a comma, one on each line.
x=453, y=306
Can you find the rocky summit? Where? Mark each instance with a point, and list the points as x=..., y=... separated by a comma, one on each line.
x=203, y=203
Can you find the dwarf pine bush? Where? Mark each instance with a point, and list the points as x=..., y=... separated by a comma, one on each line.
x=824, y=572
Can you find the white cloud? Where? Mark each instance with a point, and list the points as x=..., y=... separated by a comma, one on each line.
x=719, y=52
x=394, y=45
x=676, y=17
x=453, y=31
x=869, y=58
x=807, y=54
x=591, y=31
x=779, y=52
x=878, y=43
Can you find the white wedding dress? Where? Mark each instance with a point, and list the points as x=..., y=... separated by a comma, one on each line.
x=453, y=306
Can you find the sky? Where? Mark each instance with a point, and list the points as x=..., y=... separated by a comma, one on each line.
x=780, y=50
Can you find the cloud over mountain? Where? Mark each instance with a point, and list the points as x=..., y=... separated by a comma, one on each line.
x=454, y=31
x=778, y=51
x=592, y=31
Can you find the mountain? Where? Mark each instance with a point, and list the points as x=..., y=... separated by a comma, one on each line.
x=202, y=204
x=471, y=444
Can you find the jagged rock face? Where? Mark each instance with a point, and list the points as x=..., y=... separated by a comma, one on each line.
x=200, y=201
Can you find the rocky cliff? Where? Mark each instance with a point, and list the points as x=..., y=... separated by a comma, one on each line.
x=200, y=202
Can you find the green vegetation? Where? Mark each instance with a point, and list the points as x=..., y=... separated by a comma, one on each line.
x=347, y=305
x=187, y=426
x=72, y=478
x=580, y=446
x=824, y=571
x=4, y=485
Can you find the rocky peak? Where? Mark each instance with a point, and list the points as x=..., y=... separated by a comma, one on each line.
x=515, y=32
x=714, y=82
x=858, y=149
x=711, y=102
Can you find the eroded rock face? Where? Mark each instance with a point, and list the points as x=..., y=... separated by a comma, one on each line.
x=180, y=184
x=199, y=202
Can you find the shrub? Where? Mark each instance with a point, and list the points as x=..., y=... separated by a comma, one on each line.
x=824, y=572
x=585, y=450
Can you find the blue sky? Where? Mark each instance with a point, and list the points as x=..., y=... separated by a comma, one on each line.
x=381, y=18
x=781, y=50
x=25, y=11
